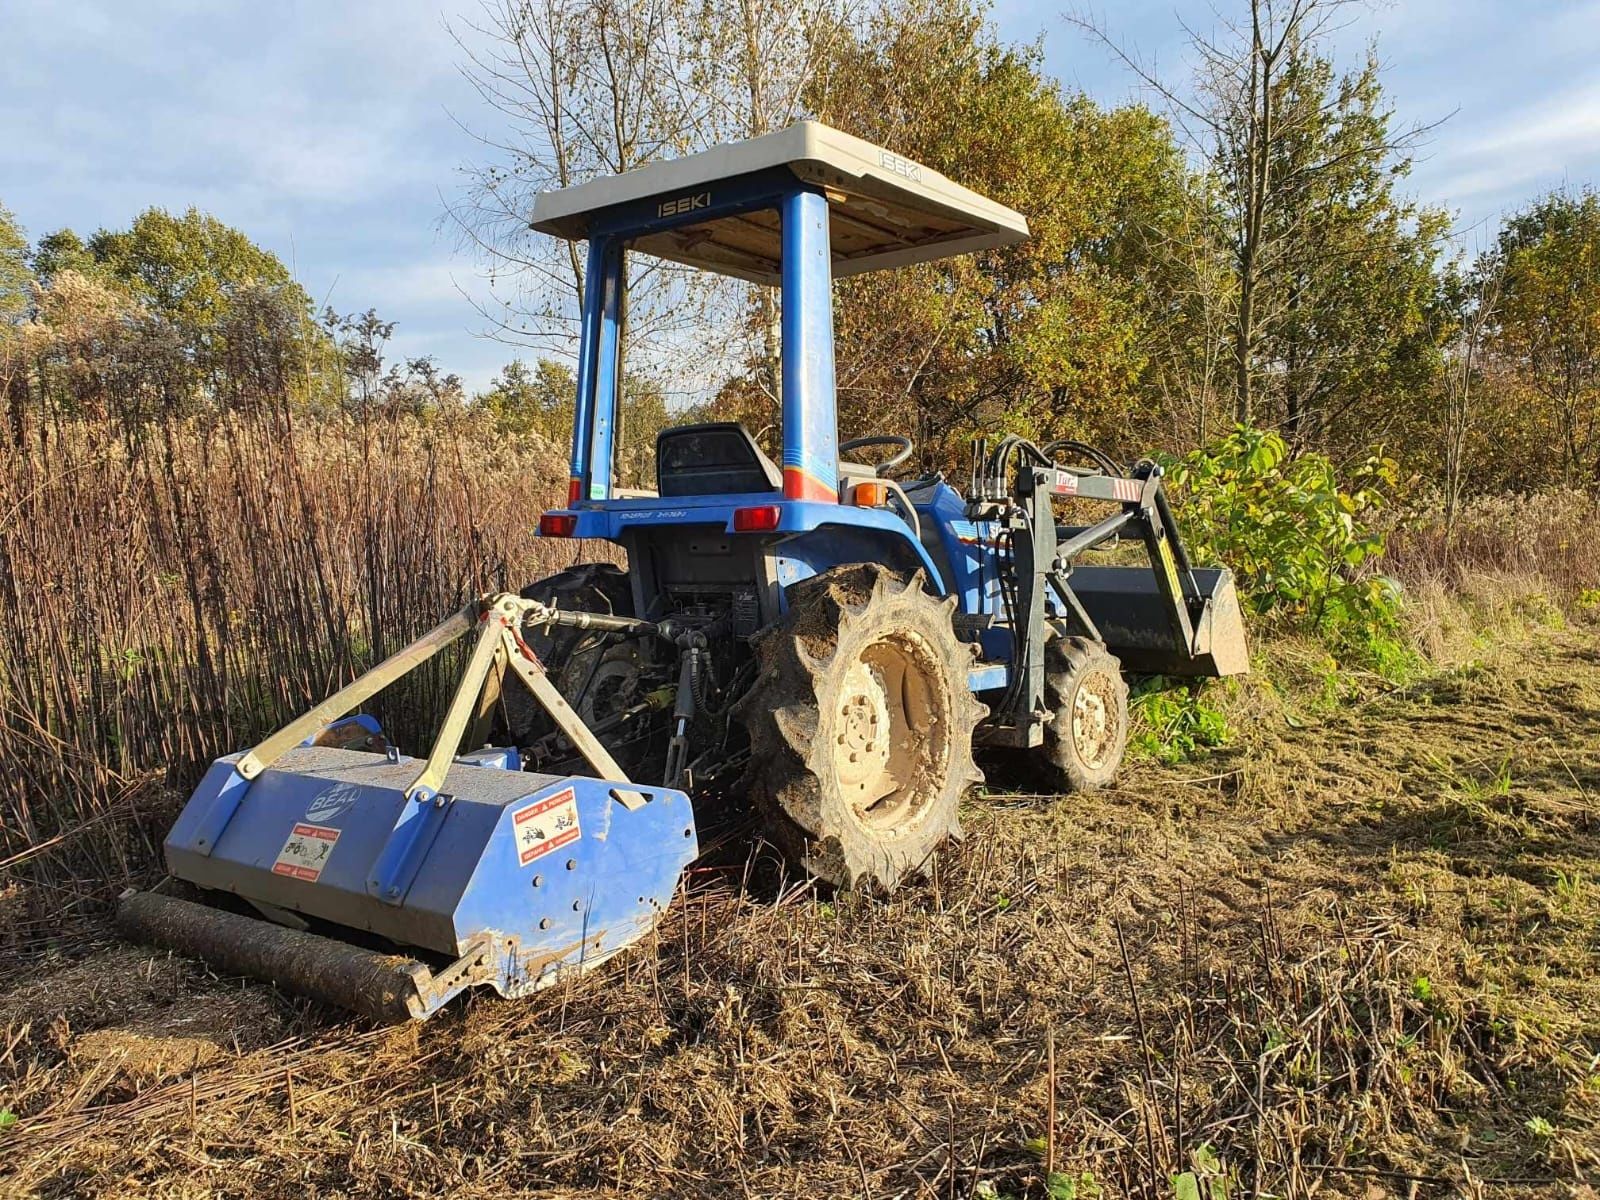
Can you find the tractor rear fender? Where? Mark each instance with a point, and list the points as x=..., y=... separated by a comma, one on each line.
x=806, y=537
x=882, y=537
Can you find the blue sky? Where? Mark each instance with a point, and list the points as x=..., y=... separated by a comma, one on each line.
x=331, y=132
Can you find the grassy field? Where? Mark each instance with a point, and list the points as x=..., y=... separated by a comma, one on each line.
x=1351, y=954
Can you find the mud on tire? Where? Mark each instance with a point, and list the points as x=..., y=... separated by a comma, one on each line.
x=1088, y=728
x=861, y=727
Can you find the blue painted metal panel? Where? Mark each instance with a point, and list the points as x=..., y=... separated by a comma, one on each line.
x=557, y=870
x=890, y=536
x=988, y=677
x=810, y=431
x=588, y=349
x=728, y=197
x=607, y=384
x=416, y=825
x=972, y=551
x=830, y=545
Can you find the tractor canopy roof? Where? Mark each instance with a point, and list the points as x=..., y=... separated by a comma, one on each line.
x=885, y=210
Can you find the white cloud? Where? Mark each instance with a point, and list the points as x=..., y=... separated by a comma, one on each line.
x=1497, y=165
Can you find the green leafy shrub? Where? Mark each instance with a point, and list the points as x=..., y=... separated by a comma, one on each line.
x=1173, y=724
x=1298, y=539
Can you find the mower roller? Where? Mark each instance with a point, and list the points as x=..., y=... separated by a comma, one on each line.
x=819, y=639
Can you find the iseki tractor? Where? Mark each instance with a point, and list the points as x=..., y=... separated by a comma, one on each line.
x=823, y=635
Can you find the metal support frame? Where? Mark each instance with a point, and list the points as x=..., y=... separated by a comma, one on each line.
x=499, y=646
x=497, y=619
x=1043, y=560
x=810, y=433
x=357, y=692
x=588, y=349
x=1033, y=555
x=810, y=419
x=606, y=376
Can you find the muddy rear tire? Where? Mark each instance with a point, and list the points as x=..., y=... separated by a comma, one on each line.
x=861, y=727
x=1088, y=729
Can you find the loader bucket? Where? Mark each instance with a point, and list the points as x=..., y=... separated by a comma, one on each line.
x=1127, y=605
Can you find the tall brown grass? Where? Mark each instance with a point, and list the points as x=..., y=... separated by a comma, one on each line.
x=1549, y=538
x=173, y=590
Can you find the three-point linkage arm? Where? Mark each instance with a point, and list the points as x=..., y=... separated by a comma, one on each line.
x=499, y=646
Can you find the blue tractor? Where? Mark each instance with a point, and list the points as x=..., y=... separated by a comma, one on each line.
x=823, y=634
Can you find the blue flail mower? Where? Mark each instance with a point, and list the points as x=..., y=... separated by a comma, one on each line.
x=502, y=877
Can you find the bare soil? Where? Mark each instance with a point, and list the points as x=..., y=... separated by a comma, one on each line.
x=1354, y=954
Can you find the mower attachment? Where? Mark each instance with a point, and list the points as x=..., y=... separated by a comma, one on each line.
x=513, y=879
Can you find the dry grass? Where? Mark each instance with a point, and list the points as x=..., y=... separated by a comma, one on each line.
x=1546, y=540
x=1352, y=955
x=170, y=592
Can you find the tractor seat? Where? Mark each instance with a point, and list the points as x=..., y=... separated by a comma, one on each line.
x=718, y=458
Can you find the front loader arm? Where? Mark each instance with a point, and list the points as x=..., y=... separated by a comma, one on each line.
x=1162, y=618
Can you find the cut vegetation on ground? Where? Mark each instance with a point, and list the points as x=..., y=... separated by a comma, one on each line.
x=1351, y=954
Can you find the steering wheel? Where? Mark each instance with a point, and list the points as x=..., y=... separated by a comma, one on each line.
x=883, y=469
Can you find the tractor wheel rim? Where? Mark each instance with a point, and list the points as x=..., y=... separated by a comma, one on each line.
x=1092, y=732
x=886, y=730
x=614, y=683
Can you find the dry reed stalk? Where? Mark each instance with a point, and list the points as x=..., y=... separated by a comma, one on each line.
x=171, y=592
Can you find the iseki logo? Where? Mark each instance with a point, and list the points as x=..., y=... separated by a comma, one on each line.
x=902, y=167
x=683, y=204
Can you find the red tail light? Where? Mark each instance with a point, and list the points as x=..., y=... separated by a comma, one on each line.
x=574, y=490
x=756, y=520
x=558, y=524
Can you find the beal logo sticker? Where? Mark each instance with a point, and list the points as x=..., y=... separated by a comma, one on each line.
x=546, y=825
x=333, y=803
x=306, y=852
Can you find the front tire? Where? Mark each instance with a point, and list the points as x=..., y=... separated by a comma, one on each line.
x=1088, y=699
x=861, y=727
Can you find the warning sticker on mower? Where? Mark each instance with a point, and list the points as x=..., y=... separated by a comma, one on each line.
x=546, y=825
x=306, y=852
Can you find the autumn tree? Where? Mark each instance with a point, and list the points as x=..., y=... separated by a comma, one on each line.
x=534, y=400
x=1049, y=337
x=191, y=269
x=171, y=315
x=1474, y=305
x=1333, y=271
x=1346, y=327
x=15, y=275
x=587, y=88
x=1548, y=321
x=242, y=322
x=16, y=282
